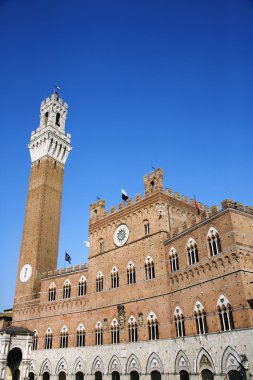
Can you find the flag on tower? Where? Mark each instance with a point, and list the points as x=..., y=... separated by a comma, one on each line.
x=124, y=195
x=67, y=258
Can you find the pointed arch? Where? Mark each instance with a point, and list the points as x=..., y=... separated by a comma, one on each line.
x=182, y=362
x=32, y=366
x=154, y=363
x=133, y=364
x=114, y=365
x=48, y=338
x=131, y=275
x=35, y=340
x=114, y=331
x=61, y=366
x=80, y=335
x=214, y=242
x=97, y=365
x=66, y=290
x=52, y=292
x=204, y=361
x=149, y=268
x=82, y=286
x=200, y=318
x=225, y=313
x=179, y=322
x=78, y=366
x=230, y=361
x=114, y=277
x=99, y=282
x=192, y=251
x=132, y=329
x=153, y=331
x=46, y=366
x=173, y=258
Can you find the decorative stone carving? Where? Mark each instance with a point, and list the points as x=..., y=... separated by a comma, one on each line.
x=121, y=316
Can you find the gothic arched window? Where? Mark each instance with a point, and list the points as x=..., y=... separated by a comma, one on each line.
x=214, y=242
x=225, y=313
x=82, y=286
x=173, y=257
x=52, y=292
x=200, y=317
x=149, y=268
x=35, y=340
x=115, y=331
x=48, y=339
x=64, y=337
x=179, y=322
x=131, y=278
x=115, y=277
x=153, y=333
x=99, y=282
x=192, y=251
x=146, y=228
x=101, y=246
x=132, y=328
x=80, y=336
x=99, y=334
x=66, y=289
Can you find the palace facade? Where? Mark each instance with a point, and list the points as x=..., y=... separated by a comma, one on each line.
x=167, y=292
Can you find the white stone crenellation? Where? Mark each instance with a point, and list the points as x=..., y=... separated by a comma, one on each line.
x=50, y=138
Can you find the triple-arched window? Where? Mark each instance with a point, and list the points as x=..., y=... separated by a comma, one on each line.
x=115, y=331
x=99, y=282
x=115, y=277
x=149, y=268
x=99, y=334
x=200, y=317
x=179, y=322
x=82, y=286
x=80, y=336
x=64, y=337
x=132, y=328
x=66, y=289
x=48, y=339
x=192, y=251
x=153, y=333
x=131, y=277
x=214, y=242
x=225, y=313
x=173, y=257
x=52, y=292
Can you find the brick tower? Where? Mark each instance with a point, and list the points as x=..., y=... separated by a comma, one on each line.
x=49, y=148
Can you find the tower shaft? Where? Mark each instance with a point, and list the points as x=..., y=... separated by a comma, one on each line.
x=49, y=147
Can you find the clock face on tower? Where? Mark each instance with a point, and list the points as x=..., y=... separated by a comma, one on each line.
x=25, y=273
x=121, y=235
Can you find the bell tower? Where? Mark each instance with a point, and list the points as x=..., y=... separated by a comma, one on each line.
x=49, y=148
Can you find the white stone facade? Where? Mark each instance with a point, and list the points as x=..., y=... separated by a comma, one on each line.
x=8, y=343
x=50, y=138
x=220, y=353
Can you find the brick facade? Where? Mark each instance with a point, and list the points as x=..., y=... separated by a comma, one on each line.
x=196, y=301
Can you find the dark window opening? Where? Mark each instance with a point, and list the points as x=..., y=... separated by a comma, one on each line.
x=58, y=115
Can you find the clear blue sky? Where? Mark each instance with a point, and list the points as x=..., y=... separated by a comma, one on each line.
x=149, y=83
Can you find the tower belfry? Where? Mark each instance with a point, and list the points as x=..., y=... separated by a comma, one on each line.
x=49, y=147
x=50, y=139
